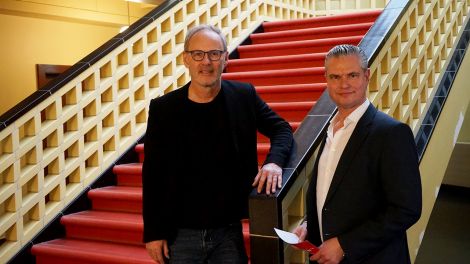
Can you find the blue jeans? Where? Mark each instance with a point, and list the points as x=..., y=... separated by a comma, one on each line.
x=209, y=246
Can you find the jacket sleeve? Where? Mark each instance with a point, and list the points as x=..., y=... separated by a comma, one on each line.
x=155, y=180
x=276, y=129
x=401, y=184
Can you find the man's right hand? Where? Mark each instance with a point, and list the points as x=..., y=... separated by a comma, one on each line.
x=301, y=231
x=158, y=250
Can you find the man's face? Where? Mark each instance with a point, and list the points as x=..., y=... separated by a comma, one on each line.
x=205, y=73
x=346, y=81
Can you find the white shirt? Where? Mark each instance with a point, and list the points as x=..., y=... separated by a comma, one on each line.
x=334, y=147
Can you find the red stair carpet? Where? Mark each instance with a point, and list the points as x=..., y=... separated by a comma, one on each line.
x=285, y=63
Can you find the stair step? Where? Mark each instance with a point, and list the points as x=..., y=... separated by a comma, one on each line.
x=76, y=251
x=263, y=139
x=292, y=111
x=279, y=77
x=140, y=151
x=294, y=47
x=104, y=226
x=128, y=174
x=276, y=62
x=117, y=198
x=291, y=92
x=311, y=33
x=326, y=21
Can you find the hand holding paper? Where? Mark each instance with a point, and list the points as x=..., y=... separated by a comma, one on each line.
x=293, y=239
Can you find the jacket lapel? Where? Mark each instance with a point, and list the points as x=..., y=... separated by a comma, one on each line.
x=355, y=141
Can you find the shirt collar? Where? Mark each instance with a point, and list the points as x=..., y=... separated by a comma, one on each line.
x=355, y=115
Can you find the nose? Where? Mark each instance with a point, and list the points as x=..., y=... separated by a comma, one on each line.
x=344, y=82
x=206, y=59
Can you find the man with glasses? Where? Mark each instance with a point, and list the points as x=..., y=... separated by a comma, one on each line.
x=201, y=159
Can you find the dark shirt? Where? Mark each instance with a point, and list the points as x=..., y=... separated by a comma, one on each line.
x=205, y=202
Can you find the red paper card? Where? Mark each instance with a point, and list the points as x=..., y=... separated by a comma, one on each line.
x=293, y=239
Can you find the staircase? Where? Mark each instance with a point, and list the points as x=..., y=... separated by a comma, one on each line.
x=285, y=63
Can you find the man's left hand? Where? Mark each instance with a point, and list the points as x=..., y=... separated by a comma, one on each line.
x=330, y=252
x=271, y=174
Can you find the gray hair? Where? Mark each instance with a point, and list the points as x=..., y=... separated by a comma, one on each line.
x=345, y=50
x=198, y=28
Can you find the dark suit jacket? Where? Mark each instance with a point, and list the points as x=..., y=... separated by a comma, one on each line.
x=165, y=149
x=375, y=193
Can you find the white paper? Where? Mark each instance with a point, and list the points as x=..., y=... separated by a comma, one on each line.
x=287, y=237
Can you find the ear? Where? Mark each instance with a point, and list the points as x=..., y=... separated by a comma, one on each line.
x=186, y=58
x=367, y=74
x=225, y=59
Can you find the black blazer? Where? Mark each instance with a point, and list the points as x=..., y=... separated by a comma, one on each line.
x=165, y=148
x=375, y=193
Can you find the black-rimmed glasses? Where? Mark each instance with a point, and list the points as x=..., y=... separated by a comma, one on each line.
x=198, y=55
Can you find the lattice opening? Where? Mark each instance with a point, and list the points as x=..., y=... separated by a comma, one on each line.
x=181, y=80
x=234, y=13
x=179, y=59
x=167, y=48
x=107, y=97
x=28, y=159
x=225, y=21
x=31, y=217
x=125, y=131
x=165, y=26
x=153, y=59
x=91, y=136
x=72, y=181
x=178, y=16
x=30, y=188
x=88, y=84
x=168, y=70
x=152, y=36
x=72, y=152
x=6, y=145
x=108, y=121
x=138, y=47
x=139, y=70
x=51, y=171
x=69, y=98
x=89, y=111
x=49, y=113
x=27, y=130
x=139, y=94
x=123, y=58
x=71, y=125
x=106, y=71
x=10, y=235
x=244, y=6
x=179, y=38
x=397, y=113
x=214, y=10
x=203, y=18
x=7, y=177
x=191, y=7
x=92, y=161
x=110, y=145
x=52, y=199
x=141, y=117
x=123, y=83
x=125, y=107
x=50, y=142
x=245, y=23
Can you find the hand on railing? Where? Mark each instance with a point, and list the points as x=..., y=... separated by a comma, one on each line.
x=271, y=174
